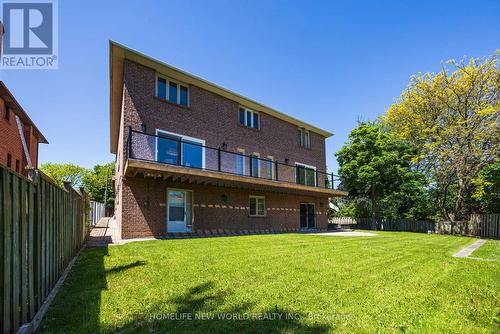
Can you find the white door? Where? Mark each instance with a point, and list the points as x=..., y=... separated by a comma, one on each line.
x=178, y=211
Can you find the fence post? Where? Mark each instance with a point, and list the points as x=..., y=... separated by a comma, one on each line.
x=331, y=175
x=84, y=199
x=276, y=169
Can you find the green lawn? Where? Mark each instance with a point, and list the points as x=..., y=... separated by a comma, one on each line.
x=391, y=283
x=489, y=250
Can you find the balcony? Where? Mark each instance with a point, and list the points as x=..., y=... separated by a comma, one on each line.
x=177, y=159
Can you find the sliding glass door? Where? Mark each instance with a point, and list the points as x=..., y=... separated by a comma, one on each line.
x=305, y=175
x=179, y=150
x=307, y=216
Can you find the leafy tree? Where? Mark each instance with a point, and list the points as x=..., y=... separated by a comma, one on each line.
x=488, y=187
x=452, y=118
x=93, y=181
x=376, y=171
x=65, y=172
x=96, y=182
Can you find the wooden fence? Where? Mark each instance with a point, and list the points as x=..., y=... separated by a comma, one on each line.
x=42, y=227
x=480, y=225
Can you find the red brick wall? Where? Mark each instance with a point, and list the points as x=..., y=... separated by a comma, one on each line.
x=10, y=141
x=213, y=118
x=141, y=203
x=144, y=208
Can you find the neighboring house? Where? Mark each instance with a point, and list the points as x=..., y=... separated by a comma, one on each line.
x=195, y=157
x=13, y=153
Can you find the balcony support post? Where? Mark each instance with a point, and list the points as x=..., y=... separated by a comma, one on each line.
x=218, y=160
x=179, y=152
x=332, y=180
x=276, y=170
x=129, y=142
x=251, y=169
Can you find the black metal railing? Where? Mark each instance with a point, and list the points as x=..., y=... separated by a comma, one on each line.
x=189, y=153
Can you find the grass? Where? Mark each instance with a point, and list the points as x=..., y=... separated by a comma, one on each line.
x=390, y=283
x=489, y=250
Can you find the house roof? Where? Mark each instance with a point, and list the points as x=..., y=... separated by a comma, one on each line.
x=118, y=53
x=12, y=103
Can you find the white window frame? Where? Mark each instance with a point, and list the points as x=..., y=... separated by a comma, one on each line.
x=241, y=154
x=303, y=142
x=257, y=198
x=196, y=140
x=257, y=155
x=252, y=112
x=306, y=166
x=271, y=160
x=301, y=136
x=307, y=143
x=167, y=93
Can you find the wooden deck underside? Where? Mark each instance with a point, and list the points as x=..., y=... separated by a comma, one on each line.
x=149, y=169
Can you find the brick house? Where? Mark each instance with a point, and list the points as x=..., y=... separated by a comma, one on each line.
x=195, y=157
x=12, y=152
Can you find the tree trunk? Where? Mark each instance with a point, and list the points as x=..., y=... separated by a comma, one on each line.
x=374, y=209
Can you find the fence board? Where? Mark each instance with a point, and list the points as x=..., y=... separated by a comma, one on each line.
x=7, y=253
x=31, y=257
x=16, y=278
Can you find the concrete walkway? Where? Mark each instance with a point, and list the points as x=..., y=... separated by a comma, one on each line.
x=468, y=250
x=105, y=232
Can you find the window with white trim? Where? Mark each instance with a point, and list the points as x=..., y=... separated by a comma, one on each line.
x=303, y=138
x=249, y=118
x=257, y=206
x=171, y=90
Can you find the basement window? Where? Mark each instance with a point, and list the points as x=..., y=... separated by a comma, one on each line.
x=257, y=206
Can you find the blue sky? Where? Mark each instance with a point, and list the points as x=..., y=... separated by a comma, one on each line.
x=328, y=63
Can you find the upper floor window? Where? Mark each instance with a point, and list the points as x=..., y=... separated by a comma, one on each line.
x=172, y=91
x=303, y=138
x=6, y=113
x=249, y=118
x=9, y=160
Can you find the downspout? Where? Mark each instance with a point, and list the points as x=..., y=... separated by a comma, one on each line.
x=29, y=168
